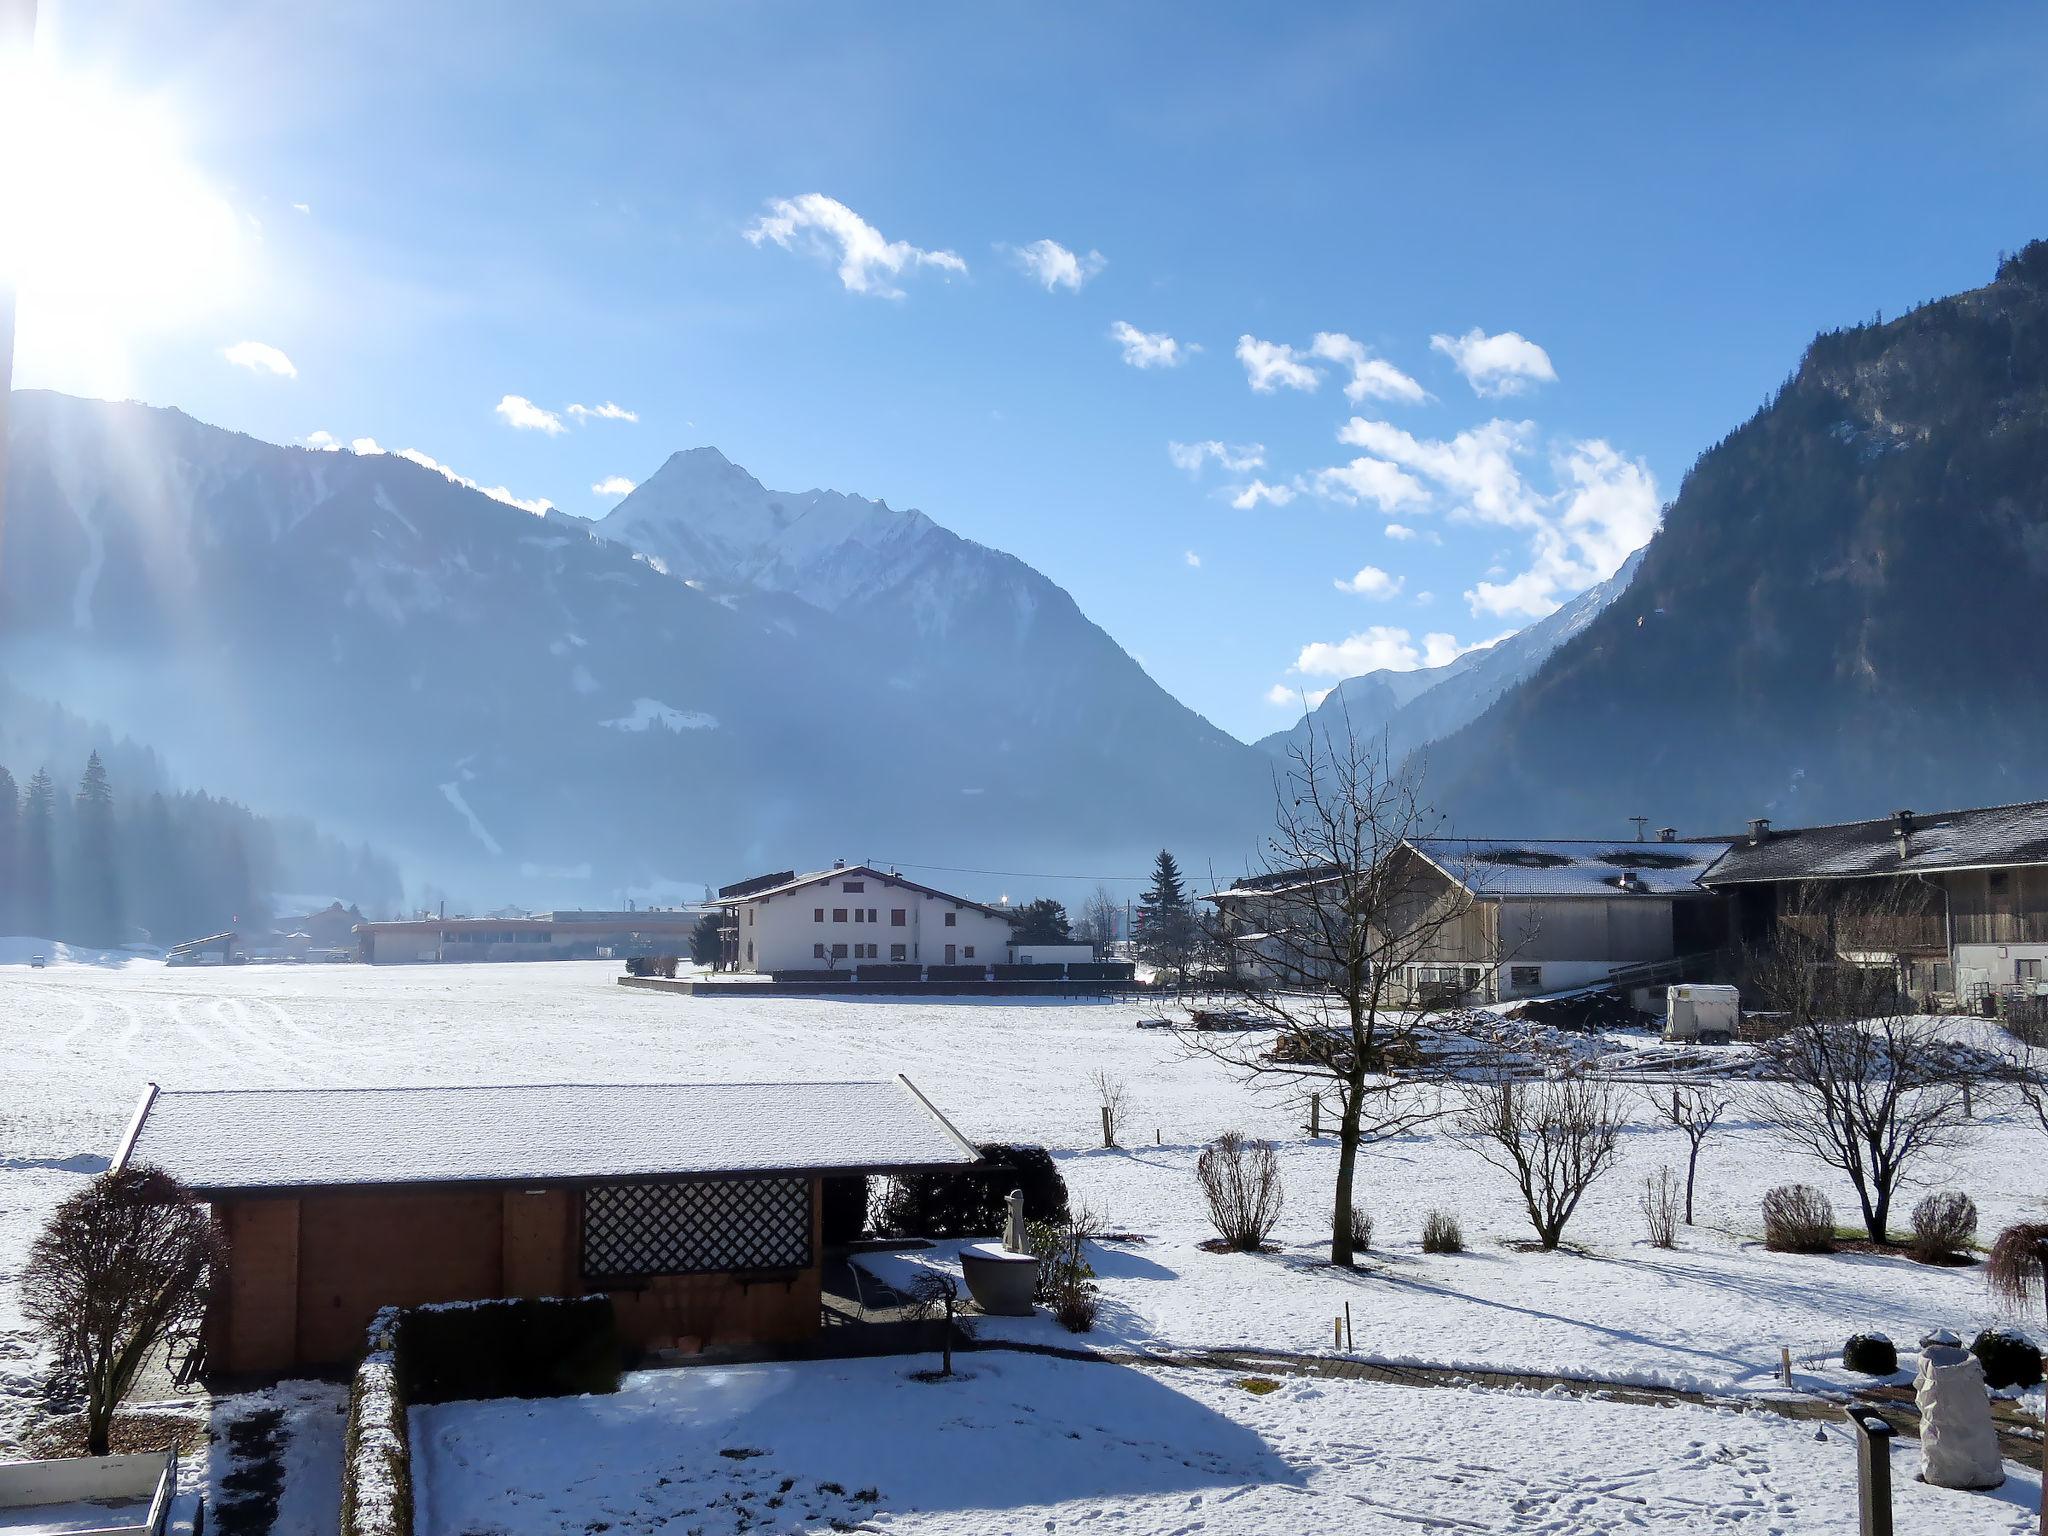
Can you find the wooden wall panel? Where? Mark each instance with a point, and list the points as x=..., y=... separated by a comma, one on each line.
x=253, y=1323
x=362, y=1250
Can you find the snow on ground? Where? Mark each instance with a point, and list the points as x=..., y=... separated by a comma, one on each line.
x=82, y=1040
x=1028, y=1443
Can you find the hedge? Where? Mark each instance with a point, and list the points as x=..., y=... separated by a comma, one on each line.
x=376, y=1458
x=844, y=1213
x=1101, y=970
x=536, y=1347
x=811, y=977
x=1052, y=971
x=892, y=970
x=974, y=1202
x=956, y=972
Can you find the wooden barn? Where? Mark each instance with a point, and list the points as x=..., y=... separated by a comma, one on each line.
x=696, y=1206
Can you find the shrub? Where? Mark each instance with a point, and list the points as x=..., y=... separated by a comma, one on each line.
x=1076, y=1312
x=1943, y=1223
x=1798, y=1219
x=639, y=965
x=376, y=1460
x=2009, y=1358
x=844, y=1209
x=535, y=1347
x=1240, y=1180
x=1361, y=1229
x=1873, y=1354
x=973, y=1202
x=1441, y=1233
x=1660, y=1209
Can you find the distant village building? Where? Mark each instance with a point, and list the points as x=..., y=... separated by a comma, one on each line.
x=1533, y=916
x=565, y=935
x=1957, y=899
x=839, y=918
x=695, y=1206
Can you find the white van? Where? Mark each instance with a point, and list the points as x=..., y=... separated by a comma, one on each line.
x=1705, y=1014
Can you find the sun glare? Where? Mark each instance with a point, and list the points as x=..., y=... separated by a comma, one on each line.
x=107, y=229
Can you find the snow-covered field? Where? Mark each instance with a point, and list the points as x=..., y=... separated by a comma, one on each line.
x=83, y=1039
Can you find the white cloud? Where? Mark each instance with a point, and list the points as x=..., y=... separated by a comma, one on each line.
x=1284, y=696
x=1399, y=531
x=1476, y=469
x=1380, y=647
x=1271, y=365
x=1192, y=558
x=609, y=411
x=612, y=485
x=1251, y=495
x=260, y=357
x=1238, y=458
x=866, y=262
x=1506, y=364
x=520, y=412
x=1384, y=485
x=303, y=207
x=326, y=442
x=1606, y=509
x=1372, y=377
x=368, y=447
x=1050, y=263
x=1150, y=349
x=1371, y=581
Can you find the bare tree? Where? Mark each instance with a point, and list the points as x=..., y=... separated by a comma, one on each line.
x=1693, y=1112
x=118, y=1267
x=1554, y=1138
x=1240, y=1180
x=1113, y=1094
x=1341, y=913
x=1101, y=916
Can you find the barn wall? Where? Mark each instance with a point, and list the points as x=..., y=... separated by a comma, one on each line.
x=254, y=1319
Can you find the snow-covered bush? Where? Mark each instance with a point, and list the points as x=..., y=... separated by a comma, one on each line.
x=1240, y=1180
x=1798, y=1219
x=2009, y=1358
x=1943, y=1224
x=1872, y=1354
x=1441, y=1233
x=376, y=1466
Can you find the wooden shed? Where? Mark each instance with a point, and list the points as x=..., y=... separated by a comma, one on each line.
x=696, y=1206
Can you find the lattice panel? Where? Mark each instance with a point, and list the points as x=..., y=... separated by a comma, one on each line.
x=631, y=1230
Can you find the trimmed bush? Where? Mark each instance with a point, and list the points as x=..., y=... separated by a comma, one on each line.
x=1873, y=1354
x=1050, y=971
x=1798, y=1219
x=1943, y=1224
x=973, y=1202
x=956, y=972
x=1441, y=1233
x=1101, y=970
x=2009, y=1358
x=844, y=1209
x=888, y=970
x=812, y=977
x=376, y=1456
x=539, y=1347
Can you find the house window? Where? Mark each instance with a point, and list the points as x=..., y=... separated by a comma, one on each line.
x=839, y=914
x=838, y=951
x=952, y=919
x=817, y=914
x=899, y=952
x=1525, y=975
x=854, y=887
x=968, y=951
x=874, y=916
x=860, y=914
x=750, y=951
x=817, y=951
x=750, y=917
x=898, y=917
x=698, y=1227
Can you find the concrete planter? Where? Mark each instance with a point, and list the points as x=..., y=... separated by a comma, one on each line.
x=1001, y=1280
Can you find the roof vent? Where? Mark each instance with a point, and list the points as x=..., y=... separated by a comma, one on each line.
x=1759, y=830
x=1630, y=881
x=1902, y=825
x=1667, y=834
x=839, y=863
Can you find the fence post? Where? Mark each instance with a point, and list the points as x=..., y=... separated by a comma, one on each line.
x=1785, y=1364
x=1108, y=1135
x=1315, y=1116
x=1873, y=1471
x=1350, y=1344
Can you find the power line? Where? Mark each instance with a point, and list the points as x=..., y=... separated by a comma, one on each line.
x=1015, y=874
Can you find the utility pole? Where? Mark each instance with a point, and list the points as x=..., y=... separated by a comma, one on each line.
x=17, y=38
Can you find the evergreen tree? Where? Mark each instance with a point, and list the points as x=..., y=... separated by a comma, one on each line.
x=95, y=887
x=1165, y=922
x=10, y=853
x=1043, y=921
x=38, y=888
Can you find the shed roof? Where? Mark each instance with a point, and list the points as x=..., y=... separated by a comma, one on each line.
x=1991, y=837
x=1502, y=867
x=303, y=1138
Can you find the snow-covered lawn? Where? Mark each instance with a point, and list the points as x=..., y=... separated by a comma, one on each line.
x=1032, y=1444
x=81, y=1040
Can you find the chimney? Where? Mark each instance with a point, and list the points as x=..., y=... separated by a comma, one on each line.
x=1641, y=822
x=839, y=863
x=1759, y=830
x=1667, y=834
x=1902, y=829
x=1630, y=881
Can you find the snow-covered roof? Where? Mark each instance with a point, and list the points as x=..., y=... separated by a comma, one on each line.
x=291, y=1138
x=869, y=872
x=1993, y=837
x=1501, y=867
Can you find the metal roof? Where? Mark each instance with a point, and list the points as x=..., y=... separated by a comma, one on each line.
x=304, y=1138
x=1991, y=837
x=1495, y=867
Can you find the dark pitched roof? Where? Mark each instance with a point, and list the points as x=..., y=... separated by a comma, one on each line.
x=869, y=872
x=1495, y=867
x=1995, y=836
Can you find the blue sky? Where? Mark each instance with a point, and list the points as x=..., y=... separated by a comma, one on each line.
x=1622, y=222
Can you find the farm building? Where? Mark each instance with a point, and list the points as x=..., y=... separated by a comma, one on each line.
x=839, y=917
x=1957, y=899
x=696, y=1206
x=1529, y=916
x=566, y=935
